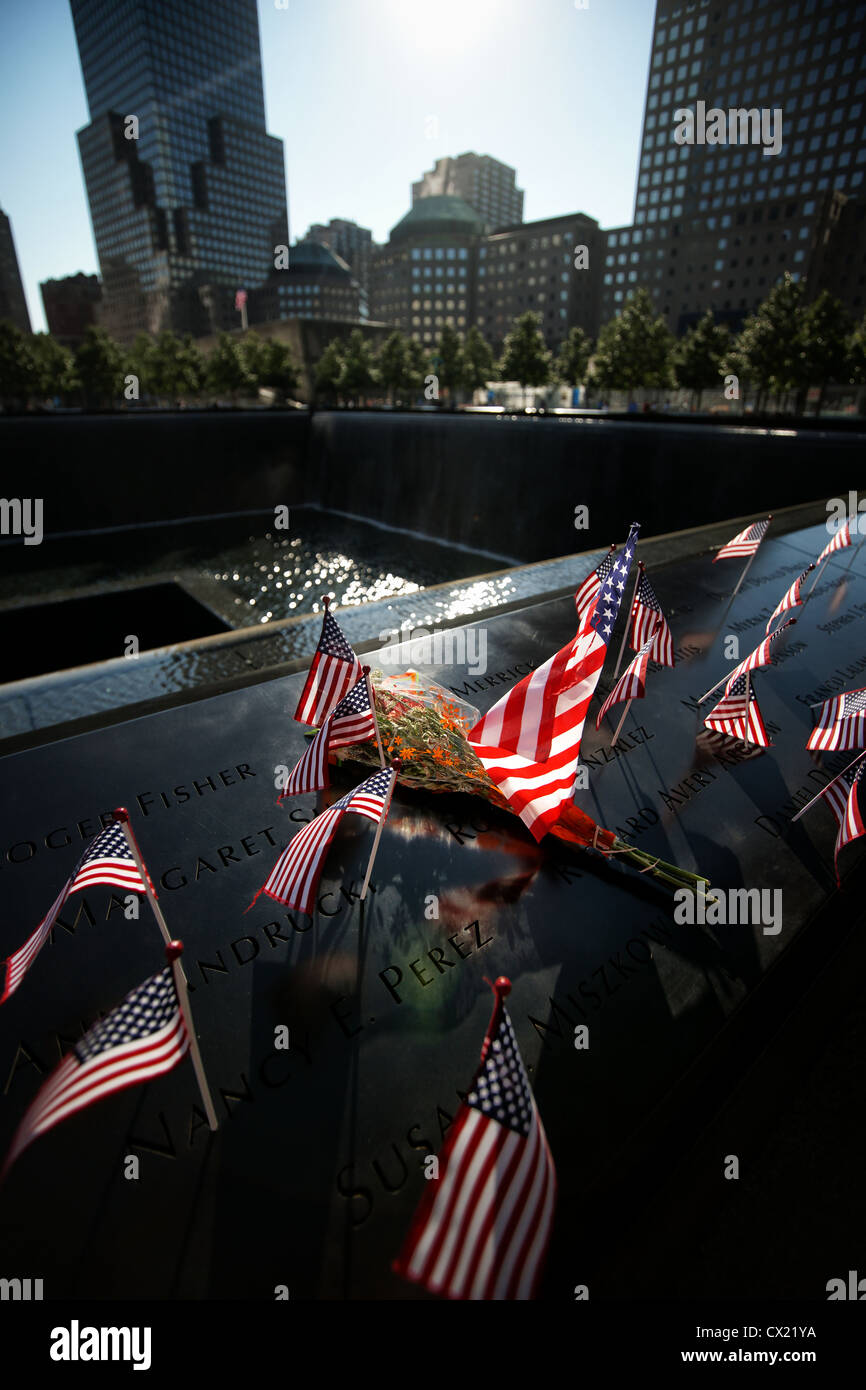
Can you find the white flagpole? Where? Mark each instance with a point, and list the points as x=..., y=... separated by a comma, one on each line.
x=121, y=816
x=366, y=671
x=829, y=784
x=628, y=621
x=621, y=722
x=751, y=558
x=712, y=688
x=173, y=952
x=814, y=581
x=385, y=809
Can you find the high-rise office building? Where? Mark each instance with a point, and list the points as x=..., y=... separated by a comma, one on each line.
x=424, y=277
x=353, y=244
x=13, y=305
x=186, y=188
x=440, y=267
x=719, y=217
x=530, y=266
x=484, y=183
x=71, y=306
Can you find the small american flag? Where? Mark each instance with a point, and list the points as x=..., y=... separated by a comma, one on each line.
x=839, y=542
x=108, y=860
x=738, y=716
x=140, y=1039
x=240, y=299
x=759, y=657
x=529, y=742
x=791, y=599
x=631, y=684
x=584, y=599
x=746, y=543
x=482, y=1227
x=350, y=722
x=648, y=621
x=295, y=876
x=841, y=722
x=843, y=798
x=334, y=671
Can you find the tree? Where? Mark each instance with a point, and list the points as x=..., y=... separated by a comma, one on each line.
x=449, y=366
x=525, y=358
x=53, y=364
x=98, y=368
x=226, y=370
x=857, y=362
x=329, y=370
x=697, y=358
x=825, y=343
x=173, y=367
x=19, y=375
x=573, y=358
x=770, y=345
x=416, y=368
x=359, y=367
x=391, y=363
x=634, y=350
x=478, y=365
x=277, y=367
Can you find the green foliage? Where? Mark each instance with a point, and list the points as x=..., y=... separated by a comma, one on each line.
x=277, y=367
x=53, y=365
x=524, y=356
x=226, y=370
x=856, y=345
x=769, y=347
x=449, y=353
x=573, y=358
x=391, y=362
x=19, y=374
x=98, y=368
x=697, y=358
x=825, y=332
x=359, y=366
x=478, y=363
x=329, y=369
x=634, y=350
x=416, y=366
x=173, y=367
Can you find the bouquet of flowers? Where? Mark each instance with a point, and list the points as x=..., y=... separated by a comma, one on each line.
x=426, y=727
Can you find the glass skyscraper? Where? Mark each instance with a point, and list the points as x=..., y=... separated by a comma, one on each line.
x=716, y=224
x=192, y=209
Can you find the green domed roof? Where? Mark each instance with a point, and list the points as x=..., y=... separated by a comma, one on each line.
x=307, y=257
x=441, y=214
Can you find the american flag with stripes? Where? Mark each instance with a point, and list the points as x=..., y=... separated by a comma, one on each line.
x=841, y=722
x=529, y=742
x=839, y=542
x=746, y=542
x=738, y=716
x=584, y=599
x=648, y=621
x=791, y=599
x=843, y=798
x=482, y=1228
x=760, y=656
x=334, y=670
x=294, y=879
x=140, y=1039
x=108, y=860
x=351, y=721
x=631, y=684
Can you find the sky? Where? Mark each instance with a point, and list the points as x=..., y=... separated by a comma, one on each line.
x=366, y=95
